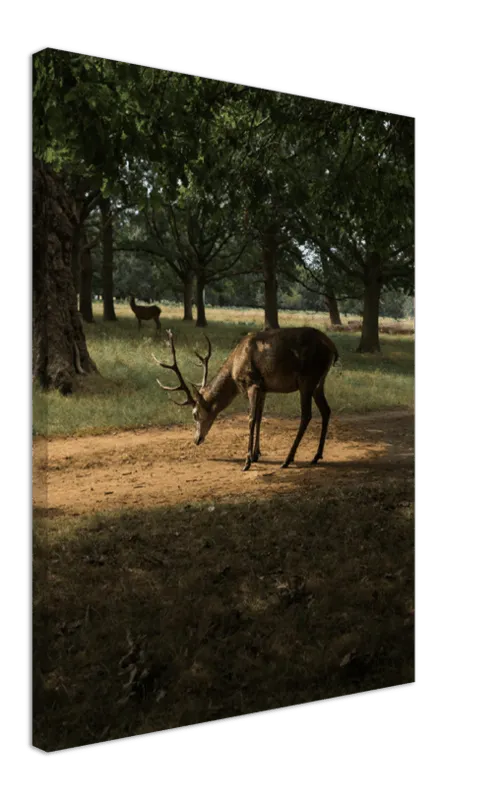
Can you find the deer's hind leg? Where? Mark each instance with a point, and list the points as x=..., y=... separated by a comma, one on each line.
x=158, y=325
x=322, y=405
x=254, y=395
x=306, y=403
x=259, y=411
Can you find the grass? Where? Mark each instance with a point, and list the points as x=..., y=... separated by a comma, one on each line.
x=125, y=394
x=168, y=617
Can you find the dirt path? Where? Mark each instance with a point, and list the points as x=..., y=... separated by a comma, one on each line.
x=135, y=469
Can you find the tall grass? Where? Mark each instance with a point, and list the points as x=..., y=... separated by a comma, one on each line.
x=125, y=394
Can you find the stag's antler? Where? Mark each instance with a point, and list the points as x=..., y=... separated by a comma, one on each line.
x=174, y=367
x=204, y=361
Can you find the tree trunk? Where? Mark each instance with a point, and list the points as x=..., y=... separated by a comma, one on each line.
x=85, y=298
x=330, y=296
x=188, y=299
x=107, y=239
x=333, y=310
x=269, y=253
x=370, y=342
x=199, y=299
x=59, y=346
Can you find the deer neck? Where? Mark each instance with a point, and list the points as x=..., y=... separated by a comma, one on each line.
x=221, y=391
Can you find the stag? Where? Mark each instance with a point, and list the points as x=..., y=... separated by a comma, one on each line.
x=280, y=361
x=145, y=313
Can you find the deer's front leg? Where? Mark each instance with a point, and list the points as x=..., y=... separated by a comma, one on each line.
x=254, y=400
x=259, y=412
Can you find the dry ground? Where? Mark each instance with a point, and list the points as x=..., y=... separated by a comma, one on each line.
x=171, y=588
x=162, y=467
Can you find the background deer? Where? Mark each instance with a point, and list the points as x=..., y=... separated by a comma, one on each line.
x=145, y=313
x=281, y=361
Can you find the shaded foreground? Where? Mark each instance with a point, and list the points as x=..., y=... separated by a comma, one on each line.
x=193, y=608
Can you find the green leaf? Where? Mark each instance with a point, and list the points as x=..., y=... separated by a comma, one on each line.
x=105, y=188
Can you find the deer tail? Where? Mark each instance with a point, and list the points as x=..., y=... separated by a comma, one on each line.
x=336, y=358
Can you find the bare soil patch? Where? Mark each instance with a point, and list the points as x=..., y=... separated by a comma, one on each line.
x=162, y=467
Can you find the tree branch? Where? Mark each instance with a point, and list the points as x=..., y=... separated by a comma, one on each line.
x=322, y=292
x=153, y=226
x=402, y=271
x=174, y=228
x=348, y=151
x=144, y=247
x=92, y=244
x=219, y=248
x=214, y=277
x=401, y=250
x=227, y=269
x=89, y=204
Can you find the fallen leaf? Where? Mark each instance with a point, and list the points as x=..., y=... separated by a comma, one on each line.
x=347, y=658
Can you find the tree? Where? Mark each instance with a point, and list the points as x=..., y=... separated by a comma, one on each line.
x=366, y=240
x=107, y=246
x=237, y=175
x=383, y=242
x=144, y=239
x=85, y=288
x=68, y=101
x=330, y=296
x=97, y=119
x=90, y=235
x=59, y=346
x=280, y=171
x=195, y=231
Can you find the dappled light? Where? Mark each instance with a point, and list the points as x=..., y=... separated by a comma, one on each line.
x=231, y=532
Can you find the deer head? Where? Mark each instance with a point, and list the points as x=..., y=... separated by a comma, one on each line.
x=204, y=413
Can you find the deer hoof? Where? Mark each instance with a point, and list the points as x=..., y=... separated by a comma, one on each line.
x=316, y=459
x=246, y=466
x=285, y=465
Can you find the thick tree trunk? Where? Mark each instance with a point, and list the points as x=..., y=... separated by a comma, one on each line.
x=107, y=239
x=85, y=299
x=270, y=249
x=59, y=346
x=199, y=299
x=188, y=299
x=333, y=310
x=370, y=342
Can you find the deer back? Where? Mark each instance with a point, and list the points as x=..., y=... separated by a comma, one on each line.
x=281, y=360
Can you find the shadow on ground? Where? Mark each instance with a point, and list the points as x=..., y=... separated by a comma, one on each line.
x=172, y=616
